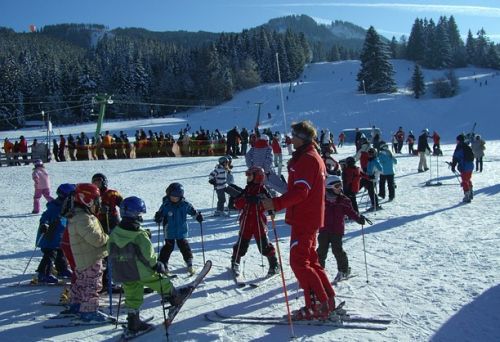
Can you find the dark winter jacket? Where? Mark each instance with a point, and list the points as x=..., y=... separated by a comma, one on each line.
x=57, y=224
x=463, y=157
x=176, y=214
x=423, y=145
x=336, y=207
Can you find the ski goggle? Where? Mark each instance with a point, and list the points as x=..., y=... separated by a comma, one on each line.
x=334, y=186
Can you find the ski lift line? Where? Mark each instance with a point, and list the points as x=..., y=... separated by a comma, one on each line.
x=48, y=96
x=174, y=105
x=35, y=103
x=40, y=113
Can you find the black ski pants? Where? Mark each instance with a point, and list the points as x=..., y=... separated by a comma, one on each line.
x=52, y=256
x=325, y=239
x=389, y=179
x=368, y=184
x=169, y=247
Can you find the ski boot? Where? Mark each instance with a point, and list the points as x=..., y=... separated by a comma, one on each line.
x=176, y=296
x=273, y=266
x=134, y=323
x=235, y=267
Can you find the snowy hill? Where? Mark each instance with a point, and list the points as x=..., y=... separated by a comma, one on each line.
x=433, y=263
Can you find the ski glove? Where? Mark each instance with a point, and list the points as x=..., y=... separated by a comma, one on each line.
x=212, y=181
x=160, y=267
x=44, y=228
x=199, y=217
x=158, y=217
x=362, y=220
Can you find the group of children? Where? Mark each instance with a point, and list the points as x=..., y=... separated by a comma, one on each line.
x=81, y=231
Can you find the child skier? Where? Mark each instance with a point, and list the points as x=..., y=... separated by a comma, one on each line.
x=48, y=238
x=337, y=205
x=42, y=185
x=253, y=222
x=387, y=161
x=135, y=263
x=369, y=178
x=218, y=178
x=351, y=177
x=173, y=213
x=110, y=200
x=463, y=158
x=88, y=245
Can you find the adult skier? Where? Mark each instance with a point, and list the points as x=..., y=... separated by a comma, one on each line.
x=305, y=204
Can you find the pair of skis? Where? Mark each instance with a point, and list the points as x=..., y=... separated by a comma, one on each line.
x=241, y=282
x=338, y=319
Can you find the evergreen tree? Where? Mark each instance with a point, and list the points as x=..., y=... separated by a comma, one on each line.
x=394, y=48
x=416, y=42
x=470, y=47
x=492, y=57
x=376, y=73
x=443, y=46
x=417, y=82
x=481, y=48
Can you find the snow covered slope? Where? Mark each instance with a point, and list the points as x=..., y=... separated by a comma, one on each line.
x=433, y=263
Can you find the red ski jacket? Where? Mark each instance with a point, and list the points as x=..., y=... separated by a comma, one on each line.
x=253, y=215
x=276, y=146
x=351, y=177
x=305, y=198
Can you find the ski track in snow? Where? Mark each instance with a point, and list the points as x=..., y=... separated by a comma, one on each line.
x=433, y=262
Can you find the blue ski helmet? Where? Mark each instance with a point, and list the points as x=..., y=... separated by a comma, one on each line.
x=65, y=189
x=176, y=190
x=132, y=207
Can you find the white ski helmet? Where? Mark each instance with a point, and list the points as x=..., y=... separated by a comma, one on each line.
x=331, y=180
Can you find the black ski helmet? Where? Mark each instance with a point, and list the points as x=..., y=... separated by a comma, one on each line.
x=103, y=178
x=176, y=190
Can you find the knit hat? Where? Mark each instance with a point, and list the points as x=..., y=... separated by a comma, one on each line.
x=461, y=138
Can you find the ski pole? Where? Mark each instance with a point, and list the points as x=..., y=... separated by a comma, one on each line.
x=119, y=305
x=364, y=251
x=213, y=198
x=32, y=255
x=163, y=304
x=260, y=235
x=364, y=246
x=202, y=243
x=159, y=236
x=290, y=323
x=110, y=283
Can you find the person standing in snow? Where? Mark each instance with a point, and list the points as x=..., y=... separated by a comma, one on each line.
x=463, y=159
x=218, y=178
x=88, y=245
x=110, y=200
x=50, y=231
x=387, y=161
x=369, y=180
x=173, y=213
x=351, y=178
x=337, y=206
x=42, y=185
x=423, y=149
x=253, y=222
x=410, y=140
x=436, y=147
x=277, y=153
x=478, y=147
x=305, y=204
x=135, y=264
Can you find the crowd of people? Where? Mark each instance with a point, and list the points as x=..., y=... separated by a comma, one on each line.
x=89, y=228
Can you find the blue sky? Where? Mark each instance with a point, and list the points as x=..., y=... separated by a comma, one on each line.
x=389, y=17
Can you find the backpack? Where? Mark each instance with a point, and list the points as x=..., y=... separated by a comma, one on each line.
x=468, y=154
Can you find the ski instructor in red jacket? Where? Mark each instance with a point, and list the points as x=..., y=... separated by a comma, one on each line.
x=305, y=204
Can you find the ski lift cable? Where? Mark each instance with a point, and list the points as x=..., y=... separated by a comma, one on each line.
x=40, y=113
